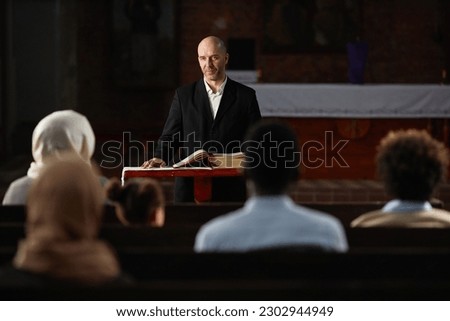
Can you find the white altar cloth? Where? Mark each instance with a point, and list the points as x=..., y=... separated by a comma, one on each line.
x=353, y=101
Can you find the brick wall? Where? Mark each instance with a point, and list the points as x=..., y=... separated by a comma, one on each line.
x=402, y=38
x=408, y=43
x=328, y=191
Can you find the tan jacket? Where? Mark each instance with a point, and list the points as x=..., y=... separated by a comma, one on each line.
x=435, y=218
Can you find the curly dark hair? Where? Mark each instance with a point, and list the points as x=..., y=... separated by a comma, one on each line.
x=411, y=163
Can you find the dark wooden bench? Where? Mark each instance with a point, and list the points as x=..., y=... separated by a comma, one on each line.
x=17, y=214
x=177, y=237
x=11, y=233
x=383, y=238
x=267, y=276
x=120, y=236
x=193, y=214
x=176, y=215
x=358, y=238
x=198, y=214
x=147, y=237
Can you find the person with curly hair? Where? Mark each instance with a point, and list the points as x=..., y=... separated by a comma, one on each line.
x=411, y=164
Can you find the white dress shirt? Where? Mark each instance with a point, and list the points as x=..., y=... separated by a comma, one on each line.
x=215, y=97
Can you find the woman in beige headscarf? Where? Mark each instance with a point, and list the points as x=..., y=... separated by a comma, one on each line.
x=60, y=132
x=64, y=212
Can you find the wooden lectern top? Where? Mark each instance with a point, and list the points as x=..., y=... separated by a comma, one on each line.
x=202, y=176
x=129, y=172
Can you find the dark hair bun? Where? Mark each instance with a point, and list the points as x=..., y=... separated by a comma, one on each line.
x=114, y=190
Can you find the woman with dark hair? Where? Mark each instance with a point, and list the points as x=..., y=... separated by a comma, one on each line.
x=138, y=202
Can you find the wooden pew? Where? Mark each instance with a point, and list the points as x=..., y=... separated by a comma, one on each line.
x=262, y=276
x=119, y=236
x=423, y=239
x=428, y=239
x=176, y=214
x=6, y=254
x=12, y=214
x=17, y=214
x=198, y=214
x=192, y=214
x=183, y=238
x=11, y=233
x=158, y=239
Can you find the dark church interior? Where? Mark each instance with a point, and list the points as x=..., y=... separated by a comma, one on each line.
x=342, y=74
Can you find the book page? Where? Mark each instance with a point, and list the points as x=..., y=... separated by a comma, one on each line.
x=233, y=160
x=194, y=157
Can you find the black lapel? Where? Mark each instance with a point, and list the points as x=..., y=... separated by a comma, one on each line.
x=228, y=98
x=201, y=102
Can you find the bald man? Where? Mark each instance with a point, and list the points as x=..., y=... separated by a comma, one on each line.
x=212, y=113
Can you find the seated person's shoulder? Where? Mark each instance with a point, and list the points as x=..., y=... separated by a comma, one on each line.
x=224, y=221
x=319, y=216
x=21, y=181
x=17, y=191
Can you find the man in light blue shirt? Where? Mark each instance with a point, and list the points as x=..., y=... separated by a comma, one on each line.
x=269, y=218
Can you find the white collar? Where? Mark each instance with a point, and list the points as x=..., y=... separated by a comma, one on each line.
x=221, y=88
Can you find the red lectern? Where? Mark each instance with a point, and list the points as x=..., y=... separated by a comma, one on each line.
x=202, y=176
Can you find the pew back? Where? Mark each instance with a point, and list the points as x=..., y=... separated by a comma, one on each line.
x=261, y=276
x=197, y=214
x=184, y=237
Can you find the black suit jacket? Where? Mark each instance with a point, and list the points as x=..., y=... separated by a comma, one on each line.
x=190, y=126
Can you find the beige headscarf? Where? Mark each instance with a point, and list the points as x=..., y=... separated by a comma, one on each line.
x=64, y=212
x=61, y=132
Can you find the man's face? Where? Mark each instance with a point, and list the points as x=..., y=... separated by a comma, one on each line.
x=212, y=60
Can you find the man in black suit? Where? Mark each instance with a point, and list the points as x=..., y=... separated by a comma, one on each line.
x=213, y=113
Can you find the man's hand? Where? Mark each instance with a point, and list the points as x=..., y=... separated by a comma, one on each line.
x=154, y=162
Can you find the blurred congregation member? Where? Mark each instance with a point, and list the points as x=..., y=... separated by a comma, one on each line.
x=140, y=202
x=269, y=218
x=61, y=246
x=411, y=164
x=58, y=133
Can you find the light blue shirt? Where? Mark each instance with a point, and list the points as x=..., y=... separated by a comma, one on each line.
x=406, y=206
x=271, y=221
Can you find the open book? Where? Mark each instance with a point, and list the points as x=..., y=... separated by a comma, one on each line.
x=232, y=160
